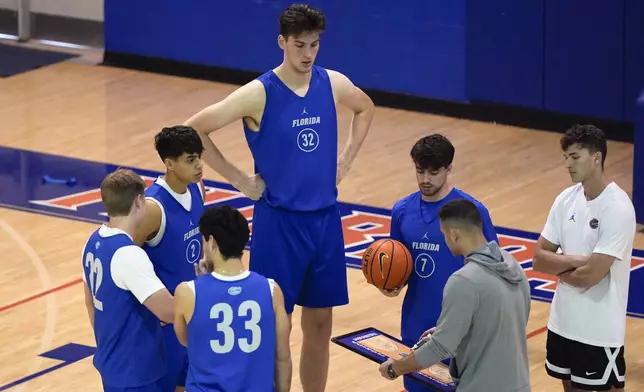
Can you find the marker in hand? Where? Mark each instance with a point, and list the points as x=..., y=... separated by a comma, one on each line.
x=424, y=338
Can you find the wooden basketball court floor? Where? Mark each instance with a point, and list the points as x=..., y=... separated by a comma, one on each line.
x=74, y=109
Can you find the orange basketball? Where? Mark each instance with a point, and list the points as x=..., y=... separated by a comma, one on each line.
x=387, y=264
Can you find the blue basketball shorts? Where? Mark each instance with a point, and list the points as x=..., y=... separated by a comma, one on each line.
x=156, y=386
x=176, y=357
x=303, y=252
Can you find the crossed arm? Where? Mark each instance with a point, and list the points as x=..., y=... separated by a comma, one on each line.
x=579, y=271
x=586, y=276
x=585, y=271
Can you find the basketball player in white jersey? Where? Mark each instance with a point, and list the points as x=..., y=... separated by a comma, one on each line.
x=593, y=223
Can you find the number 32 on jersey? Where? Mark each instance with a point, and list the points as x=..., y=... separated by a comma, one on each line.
x=225, y=314
x=308, y=139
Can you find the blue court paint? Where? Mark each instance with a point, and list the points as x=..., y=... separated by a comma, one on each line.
x=68, y=354
x=22, y=188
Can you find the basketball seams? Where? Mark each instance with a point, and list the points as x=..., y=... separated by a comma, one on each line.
x=391, y=263
x=373, y=256
x=408, y=263
x=374, y=251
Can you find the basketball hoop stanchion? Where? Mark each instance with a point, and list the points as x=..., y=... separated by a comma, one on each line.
x=638, y=159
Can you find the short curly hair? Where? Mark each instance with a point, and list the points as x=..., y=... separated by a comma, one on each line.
x=301, y=18
x=172, y=142
x=586, y=136
x=432, y=152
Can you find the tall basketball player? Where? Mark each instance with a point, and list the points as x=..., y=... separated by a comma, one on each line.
x=232, y=320
x=125, y=299
x=290, y=124
x=170, y=233
x=593, y=223
x=415, y=223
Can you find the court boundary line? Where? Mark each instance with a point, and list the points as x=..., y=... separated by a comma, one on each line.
x=39, y=295
x=51, y=308
x=50, y=213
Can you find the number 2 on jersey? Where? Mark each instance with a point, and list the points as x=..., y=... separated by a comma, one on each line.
x=94, y=277
x=224, y=312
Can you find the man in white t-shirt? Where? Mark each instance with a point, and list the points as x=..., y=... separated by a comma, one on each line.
x=593, y=223
x=124, y=297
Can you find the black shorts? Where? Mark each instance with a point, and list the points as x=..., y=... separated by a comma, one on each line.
x=589, y=368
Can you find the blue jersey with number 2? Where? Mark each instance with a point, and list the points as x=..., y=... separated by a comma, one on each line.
x=181, y=245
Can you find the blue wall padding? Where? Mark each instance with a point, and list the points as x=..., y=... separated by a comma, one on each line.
x=584, y=57
x=505, y=51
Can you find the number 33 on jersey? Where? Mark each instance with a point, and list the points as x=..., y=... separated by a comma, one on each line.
x=224, y=314
x=233, y=322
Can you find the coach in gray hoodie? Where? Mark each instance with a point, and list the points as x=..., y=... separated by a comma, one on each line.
x=486, y=305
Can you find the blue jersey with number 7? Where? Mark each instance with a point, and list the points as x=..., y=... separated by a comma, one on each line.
x=415, y=223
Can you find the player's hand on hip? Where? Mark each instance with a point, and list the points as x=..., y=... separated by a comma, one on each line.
x=253, y=187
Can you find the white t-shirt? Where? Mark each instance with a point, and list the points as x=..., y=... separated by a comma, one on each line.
x=131, y=268
x=606, y=225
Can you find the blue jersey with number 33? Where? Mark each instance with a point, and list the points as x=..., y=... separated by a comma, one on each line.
x=296, y=147
x=231, y=334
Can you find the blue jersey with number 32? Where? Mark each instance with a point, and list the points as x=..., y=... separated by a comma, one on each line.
x=231, y=334
x=181, y=245
x=129, y=349
x=296, y=147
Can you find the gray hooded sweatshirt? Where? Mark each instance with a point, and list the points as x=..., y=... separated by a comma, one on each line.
x=482, y=325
